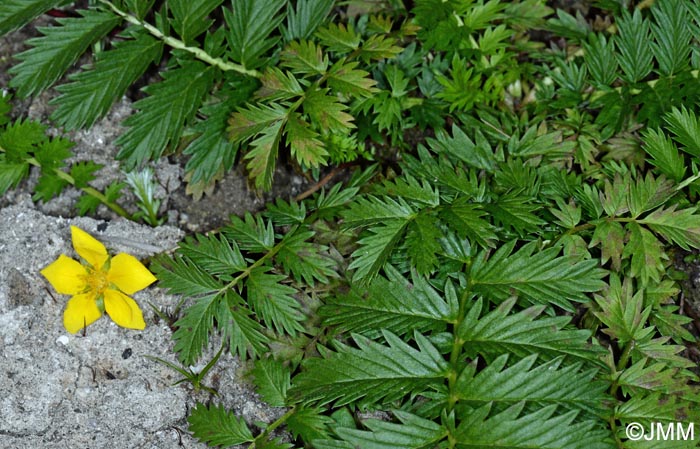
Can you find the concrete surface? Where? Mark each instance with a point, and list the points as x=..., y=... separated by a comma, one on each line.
x=59, y=390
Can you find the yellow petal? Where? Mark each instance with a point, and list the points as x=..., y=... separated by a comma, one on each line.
x=89, y=248
x=123, y=310
x=66, y=275
x=81, y=311
x=128, y=274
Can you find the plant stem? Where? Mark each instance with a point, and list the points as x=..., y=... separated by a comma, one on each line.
x=245, y=273
x=281, y=420
x=178, y=44
x=89, y=190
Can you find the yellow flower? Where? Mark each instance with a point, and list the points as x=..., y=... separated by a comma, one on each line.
x=100, y=284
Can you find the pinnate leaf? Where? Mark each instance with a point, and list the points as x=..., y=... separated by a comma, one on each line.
x=249, y=27
x=217, y=427
x=162, y=115
x=273, y=302
x=272, y=380
x=372, y=373
x=538, y=277
x=59, y=47
x=16, y=13
x=91, y=93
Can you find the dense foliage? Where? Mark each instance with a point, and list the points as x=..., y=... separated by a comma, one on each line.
x=497, y=268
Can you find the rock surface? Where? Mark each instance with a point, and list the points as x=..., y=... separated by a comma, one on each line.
x=99, y=390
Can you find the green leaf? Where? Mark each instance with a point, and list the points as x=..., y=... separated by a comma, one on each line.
x=520, y=334
x=339, y=38
x=139, y=7
x=463, y=88
x=659, y=349
x=681, y=227
x=621, y=310
x=11, y=173
x=180, y=276
x=163, y=114
x=83, y=172
x=218, y=256
x=375, y=248
x=245, y=335
x=91, y=93
x=466, y=220
x=263, y=155
x=20, y=138
x=52, y=153
x=538, y=277
x=217, y=427
x=653, y=407
x=254, y=119
x=460, y=146
x=515, y=211
x=648, y=193
x=252, y=234
x=422, y=243
x=369, y=210
x=640, y=378
x=57, y=50
x=5, y=108
x=414, y=432
x=610, y=235
x=303, y=259
x=286, y=213
x=664, y=154
x=14, y=14
x=87, y=204
x=304, y=57
x=392, y=303
x=671, y=46
x=346, y=79
x=373, y=373
x=274, y=444
x=566, y=25
x=544, y=384
x=211, y=149
x=567, y=214
x=378, y=47
x=249, y=27
x=305, y=146
x=633, y=42
x=308, y=15
x=190, y=18
x=408, y=187
x=278, y=85
x=327, y=113
x=309, y=423
x=48, y=186
x=647, y=254
x=193, y=328
x=686, y=127
x=600, y=59
x=273, y=302
x=542, y=428
x=272, y=379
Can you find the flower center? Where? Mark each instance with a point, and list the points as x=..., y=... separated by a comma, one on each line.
x=96, y=281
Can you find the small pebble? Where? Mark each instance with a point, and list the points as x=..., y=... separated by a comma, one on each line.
x=63, y=339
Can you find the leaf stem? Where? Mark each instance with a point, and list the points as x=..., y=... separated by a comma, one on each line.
x=178, y=44
x=245, y=273
x=278, y=422
x=89, y=190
